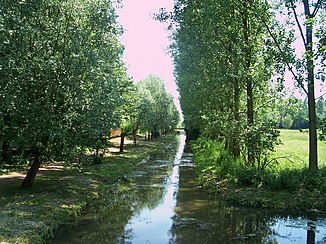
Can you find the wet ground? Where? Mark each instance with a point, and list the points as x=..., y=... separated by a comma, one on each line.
x=162, y=204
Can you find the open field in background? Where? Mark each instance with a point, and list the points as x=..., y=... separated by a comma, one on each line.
x=295, y=147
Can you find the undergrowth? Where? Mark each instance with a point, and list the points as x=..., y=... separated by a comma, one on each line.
x=273, y=186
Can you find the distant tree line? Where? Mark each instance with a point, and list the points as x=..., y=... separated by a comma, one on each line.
x=292, y=113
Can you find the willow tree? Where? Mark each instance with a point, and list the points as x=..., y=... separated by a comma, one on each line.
x=158, y=112
x=62, y=75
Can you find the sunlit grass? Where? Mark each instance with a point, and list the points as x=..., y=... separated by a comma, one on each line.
x=295, y=150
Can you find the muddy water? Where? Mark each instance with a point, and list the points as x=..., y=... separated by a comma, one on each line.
x=162, y=204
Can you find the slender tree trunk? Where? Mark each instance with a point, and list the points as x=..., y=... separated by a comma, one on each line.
x=5, y=154
x=236, y=100
x=249, y=88
x=313, y=158
x=30, y=177
x=134, y=135
x=122, y=141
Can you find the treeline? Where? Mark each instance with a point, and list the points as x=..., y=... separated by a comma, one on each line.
x=230, y=59
x=292, y=113
x=148, y=109
x=63, y=84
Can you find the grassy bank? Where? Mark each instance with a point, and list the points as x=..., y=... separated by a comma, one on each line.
x=287, y=184
x=59, y=198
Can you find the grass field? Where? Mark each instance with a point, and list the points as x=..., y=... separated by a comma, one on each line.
x=295, y=148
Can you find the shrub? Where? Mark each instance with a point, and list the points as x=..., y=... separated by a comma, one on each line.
x=287, y=122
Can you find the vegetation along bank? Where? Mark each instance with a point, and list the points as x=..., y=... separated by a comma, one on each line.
x=285, y=183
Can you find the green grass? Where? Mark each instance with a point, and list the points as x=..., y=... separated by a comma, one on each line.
x=288, y=184
x=59, y=198
x=295, y=148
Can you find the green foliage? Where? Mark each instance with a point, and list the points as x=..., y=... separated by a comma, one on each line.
x=287, y=122
x=224, y=69
x=284, y=178
x=322, y=134
x=157, y=111
x=265, y=139
x=62, y=80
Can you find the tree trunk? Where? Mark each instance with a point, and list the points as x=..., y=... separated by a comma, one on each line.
x=5, y=154
x=134, y=135
x=249, y=89
x=313, y=158
x=122, y=141
x=236, y=114
x=30, y=177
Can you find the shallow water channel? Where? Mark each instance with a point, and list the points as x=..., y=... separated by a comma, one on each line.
x=161, y=204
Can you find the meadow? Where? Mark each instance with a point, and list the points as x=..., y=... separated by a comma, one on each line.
x=294, y=148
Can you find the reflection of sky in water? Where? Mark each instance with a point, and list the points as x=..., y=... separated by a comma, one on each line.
x=153, y=226
x=295, y=231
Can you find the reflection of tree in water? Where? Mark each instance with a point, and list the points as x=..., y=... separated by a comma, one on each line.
x=200, y=220
x=108, y=224
x=147, y=191
x=311, y=228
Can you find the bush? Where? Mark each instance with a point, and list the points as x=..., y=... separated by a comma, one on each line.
x=287, y=122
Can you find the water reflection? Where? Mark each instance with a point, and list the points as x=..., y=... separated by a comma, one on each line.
x=152, y=225
x=200, y=219
x=163, y=205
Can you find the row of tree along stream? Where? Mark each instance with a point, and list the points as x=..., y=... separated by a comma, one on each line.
x=160, y=202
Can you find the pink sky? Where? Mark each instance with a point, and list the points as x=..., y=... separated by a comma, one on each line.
x=146, y=41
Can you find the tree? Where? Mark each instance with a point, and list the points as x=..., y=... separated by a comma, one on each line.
x=287, y=122
x=305, y=76
x=61, y=74
x=158, y=112
x=223, y=70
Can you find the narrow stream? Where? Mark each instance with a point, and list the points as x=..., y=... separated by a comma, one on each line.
x=163, y=205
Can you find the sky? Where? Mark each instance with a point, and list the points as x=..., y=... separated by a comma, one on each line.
x=146, y=41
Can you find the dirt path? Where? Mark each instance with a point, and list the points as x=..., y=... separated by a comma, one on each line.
x=19, y=176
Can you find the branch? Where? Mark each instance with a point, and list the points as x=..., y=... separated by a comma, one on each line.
x=283, y=55
x=314, y=13
x=320, y=96
x=262, y=105
x=306, y=8
x=298, y=23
